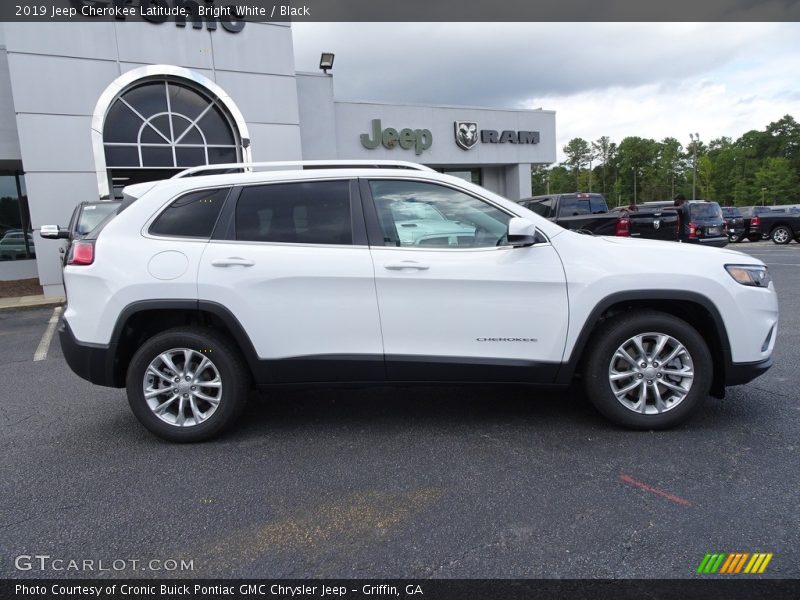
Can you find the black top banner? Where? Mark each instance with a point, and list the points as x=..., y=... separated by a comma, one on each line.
x=195, y=12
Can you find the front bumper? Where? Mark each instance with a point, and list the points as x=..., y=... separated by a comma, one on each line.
x=741, y=373
x=92, y=362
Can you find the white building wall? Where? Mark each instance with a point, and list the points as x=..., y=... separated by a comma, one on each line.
x=57, y=72
x=9, y=144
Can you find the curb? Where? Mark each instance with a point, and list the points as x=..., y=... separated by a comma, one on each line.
x=29, y=302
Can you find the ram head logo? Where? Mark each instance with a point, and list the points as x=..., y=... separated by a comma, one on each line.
x=466, y=134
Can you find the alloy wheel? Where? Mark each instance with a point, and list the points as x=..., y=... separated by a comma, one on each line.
x=651, y=373
x=182, y=387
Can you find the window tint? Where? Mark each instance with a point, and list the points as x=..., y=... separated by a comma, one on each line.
x=598, y=204
x=192, y=215
x=422, y=214
x=572, y=206
x=540, y=207
x=313, y=212
x=705, y=210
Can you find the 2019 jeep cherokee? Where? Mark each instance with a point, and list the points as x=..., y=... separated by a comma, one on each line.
x=204, y=285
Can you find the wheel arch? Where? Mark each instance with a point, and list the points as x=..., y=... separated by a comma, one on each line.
x=694, y=308
x=141, y=320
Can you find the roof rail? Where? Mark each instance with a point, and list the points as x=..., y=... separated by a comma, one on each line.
x=314, y=164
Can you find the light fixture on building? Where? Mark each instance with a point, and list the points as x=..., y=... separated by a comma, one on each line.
x=326, y=61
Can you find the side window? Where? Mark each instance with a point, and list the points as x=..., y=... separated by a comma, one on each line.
x=311, y=212
x=192, y=215
x=415, y=214
x=572, y=206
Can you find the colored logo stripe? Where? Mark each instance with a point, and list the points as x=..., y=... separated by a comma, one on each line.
x=734, y=562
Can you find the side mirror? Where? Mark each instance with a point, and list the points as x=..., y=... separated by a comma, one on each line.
x=53, y=232
x=521, y=232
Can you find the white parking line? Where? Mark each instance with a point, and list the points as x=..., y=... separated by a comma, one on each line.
x=44, y=344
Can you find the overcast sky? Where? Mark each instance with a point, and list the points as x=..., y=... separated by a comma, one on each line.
x=615, y=79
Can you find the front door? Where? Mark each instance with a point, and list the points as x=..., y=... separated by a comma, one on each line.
x=456, y=302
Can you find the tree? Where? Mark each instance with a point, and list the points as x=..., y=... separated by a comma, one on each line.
x=578, y=154
x=779, y=180
x=604, y=150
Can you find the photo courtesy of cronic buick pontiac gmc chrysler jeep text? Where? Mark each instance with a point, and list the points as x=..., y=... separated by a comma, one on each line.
x=201, y=286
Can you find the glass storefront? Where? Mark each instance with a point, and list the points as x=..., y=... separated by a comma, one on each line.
x=16, y=234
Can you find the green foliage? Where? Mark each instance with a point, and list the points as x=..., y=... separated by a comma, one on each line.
x=732, y=172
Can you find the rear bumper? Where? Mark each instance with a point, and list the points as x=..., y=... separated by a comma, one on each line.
x=740, y=373
x=92, y=362
x=717, y=242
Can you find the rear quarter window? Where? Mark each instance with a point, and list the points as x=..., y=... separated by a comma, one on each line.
x=192, y=215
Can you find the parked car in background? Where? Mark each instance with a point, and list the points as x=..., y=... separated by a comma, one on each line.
x=85, y=217
x=12, y=246
x=701, y=221
x=748, y=212
x=734, y=222
x=589, y=213
x=779, y=226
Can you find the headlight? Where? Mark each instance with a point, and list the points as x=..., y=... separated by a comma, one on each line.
x=754, y=275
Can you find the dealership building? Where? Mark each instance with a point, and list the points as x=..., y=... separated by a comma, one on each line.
x=88, y=107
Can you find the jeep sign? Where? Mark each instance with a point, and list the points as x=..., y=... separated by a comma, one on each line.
x=418, y=139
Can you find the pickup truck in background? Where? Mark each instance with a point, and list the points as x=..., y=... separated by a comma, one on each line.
x=589, y=213
x=781, y=227
x=734, y=222
x=748, y=212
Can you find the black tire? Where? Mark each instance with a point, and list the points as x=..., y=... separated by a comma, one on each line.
x=735, y=238
x=781, y=235
x=611, y=334
x=226, y=358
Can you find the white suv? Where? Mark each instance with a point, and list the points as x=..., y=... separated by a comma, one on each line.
x=203, y=285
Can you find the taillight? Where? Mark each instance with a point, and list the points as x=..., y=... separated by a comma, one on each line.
x=755, y=221
x=623, y=227
x=82, y=253
x=693, y=230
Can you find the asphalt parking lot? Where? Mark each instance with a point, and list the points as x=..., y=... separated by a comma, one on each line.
x=411, y=482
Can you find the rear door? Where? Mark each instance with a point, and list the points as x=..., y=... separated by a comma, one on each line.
x=456, y=303
x=293, y=266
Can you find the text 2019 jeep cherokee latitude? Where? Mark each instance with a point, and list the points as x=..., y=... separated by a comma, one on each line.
x=208, y=284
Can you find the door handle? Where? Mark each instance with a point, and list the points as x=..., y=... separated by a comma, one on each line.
x=232, y=261
x=406, y=264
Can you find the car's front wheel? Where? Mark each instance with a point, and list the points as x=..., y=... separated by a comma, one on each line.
x=187, y=384
x=781, y=235
x=647, y=370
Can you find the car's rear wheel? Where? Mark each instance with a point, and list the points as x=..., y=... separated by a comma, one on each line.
x=647, y=370
x=187, y=384
x=734, y=238
x=781, y=235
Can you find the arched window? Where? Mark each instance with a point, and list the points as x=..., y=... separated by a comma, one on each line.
x=168, y=125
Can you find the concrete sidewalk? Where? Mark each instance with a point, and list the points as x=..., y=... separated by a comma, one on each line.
x=20, y=302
